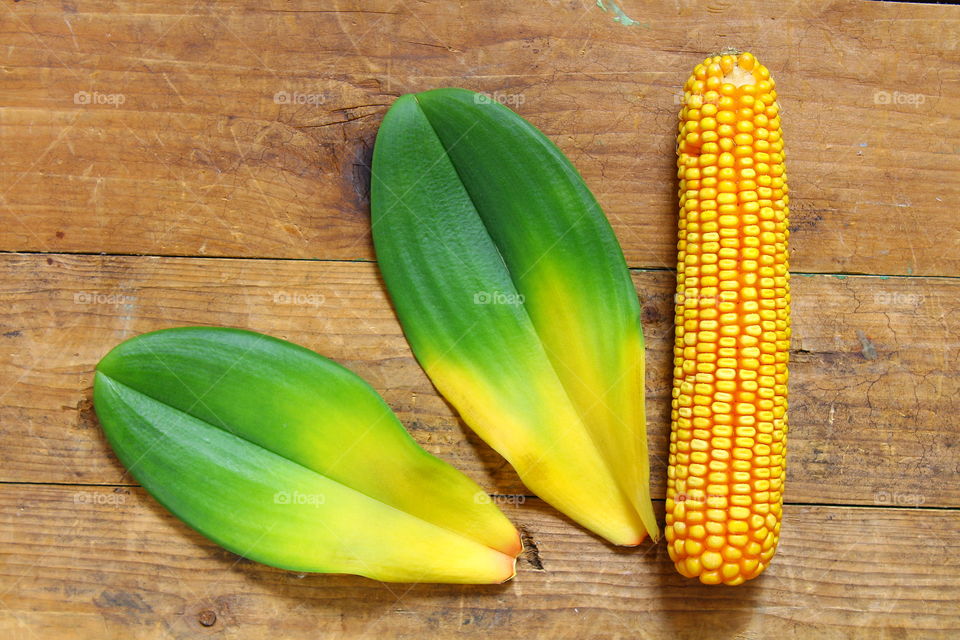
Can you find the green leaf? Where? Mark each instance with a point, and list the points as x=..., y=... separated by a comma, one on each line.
x=515, y=296
x=287, y=458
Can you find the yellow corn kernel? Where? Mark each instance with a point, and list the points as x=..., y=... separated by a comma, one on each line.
x=729, y=422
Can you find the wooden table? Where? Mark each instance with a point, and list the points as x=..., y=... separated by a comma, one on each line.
x=172, y=162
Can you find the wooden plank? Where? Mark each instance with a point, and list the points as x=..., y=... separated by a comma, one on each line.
x=874, y=373
x=199, y=159
x=82, y=562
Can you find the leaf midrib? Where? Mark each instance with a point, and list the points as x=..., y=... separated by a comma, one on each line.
x=526, y=313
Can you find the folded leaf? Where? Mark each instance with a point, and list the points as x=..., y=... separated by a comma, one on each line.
x=515, y=297
x=287, y=458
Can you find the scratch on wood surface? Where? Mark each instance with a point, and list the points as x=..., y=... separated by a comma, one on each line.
x=76, y=45
x=166, y=79
x=901, y=205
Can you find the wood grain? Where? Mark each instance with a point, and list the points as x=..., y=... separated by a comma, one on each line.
x=238, y=135
x=200, y=159
x=874, y=377
x=104, y=562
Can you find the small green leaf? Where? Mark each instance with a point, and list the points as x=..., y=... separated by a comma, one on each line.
x=287, y=458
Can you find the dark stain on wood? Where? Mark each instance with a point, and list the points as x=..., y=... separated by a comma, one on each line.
x=86, y=416
x=531, y=552
x=207, y=617
x=123, y=600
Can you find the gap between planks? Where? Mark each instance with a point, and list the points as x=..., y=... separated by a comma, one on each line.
x=186, y=256
x=528, y=496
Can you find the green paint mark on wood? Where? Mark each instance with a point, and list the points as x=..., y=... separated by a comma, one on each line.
x=613, y=8
x=867, y=348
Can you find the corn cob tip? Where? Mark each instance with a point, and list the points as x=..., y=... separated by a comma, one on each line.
x=727, y=51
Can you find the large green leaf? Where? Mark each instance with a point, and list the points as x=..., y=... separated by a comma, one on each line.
x=287, y=458
x=515, y=296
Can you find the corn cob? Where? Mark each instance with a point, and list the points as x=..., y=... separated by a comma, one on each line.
x=729, y=416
